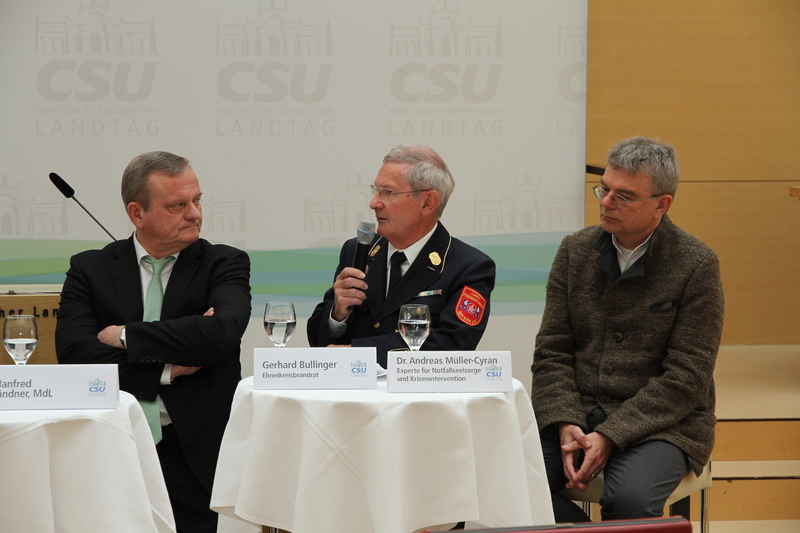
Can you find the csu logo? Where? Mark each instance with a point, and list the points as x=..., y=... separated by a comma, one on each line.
x=243, y=81
x=93, y=80
x=97, y=387
x=444, y=82
x=358, y=368
x=494, y=373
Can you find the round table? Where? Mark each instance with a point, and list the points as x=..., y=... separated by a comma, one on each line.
x=373, y=461
x=87, y=470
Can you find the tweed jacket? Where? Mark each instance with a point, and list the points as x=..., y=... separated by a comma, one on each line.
x=641, y=345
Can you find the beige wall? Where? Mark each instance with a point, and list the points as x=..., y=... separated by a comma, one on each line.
x=720, y=80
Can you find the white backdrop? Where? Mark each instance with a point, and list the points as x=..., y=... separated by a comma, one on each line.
x=285, y=108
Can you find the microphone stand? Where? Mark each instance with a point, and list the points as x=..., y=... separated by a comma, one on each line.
x=93, y=218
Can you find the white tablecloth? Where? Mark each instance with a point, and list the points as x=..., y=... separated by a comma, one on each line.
x=370, y=461
x=81, y=471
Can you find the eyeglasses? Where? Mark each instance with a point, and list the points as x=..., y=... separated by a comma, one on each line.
x=619, y=201
x=388, y=194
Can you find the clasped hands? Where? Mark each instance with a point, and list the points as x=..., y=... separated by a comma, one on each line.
x=110, y=335
x=596, y=448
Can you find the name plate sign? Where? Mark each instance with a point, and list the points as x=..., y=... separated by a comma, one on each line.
x=314, y=368
x=449, y=372
x=59, y=387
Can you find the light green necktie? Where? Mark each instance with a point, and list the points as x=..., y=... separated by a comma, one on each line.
x=152, y=313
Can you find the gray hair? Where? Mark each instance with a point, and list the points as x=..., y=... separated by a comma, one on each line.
x=428, y=171
x=135, y=186
x=657, y=159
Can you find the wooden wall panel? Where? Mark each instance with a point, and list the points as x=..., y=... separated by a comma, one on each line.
x=757, y=440
x=721, y=82
x=755, y=499
x=44, y=306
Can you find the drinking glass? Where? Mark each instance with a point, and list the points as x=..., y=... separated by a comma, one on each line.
x=279, y=321
x=20, y=336
x=414, y=324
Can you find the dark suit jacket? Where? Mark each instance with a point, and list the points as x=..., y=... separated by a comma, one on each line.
x=103, y=287
x=440, y=286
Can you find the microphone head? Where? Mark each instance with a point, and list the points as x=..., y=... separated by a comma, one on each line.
x=365, y=232
x=62, y=186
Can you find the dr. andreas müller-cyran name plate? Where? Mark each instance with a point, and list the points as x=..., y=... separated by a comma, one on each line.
x=449, y=372
x=314, y=368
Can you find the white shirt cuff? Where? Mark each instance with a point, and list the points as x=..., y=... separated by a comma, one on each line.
x=166, y=374
x=337, y=328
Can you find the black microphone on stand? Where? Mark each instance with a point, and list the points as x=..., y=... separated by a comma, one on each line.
x=364, y=235
x=69, y=192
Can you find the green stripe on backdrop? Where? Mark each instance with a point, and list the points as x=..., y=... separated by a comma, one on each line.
x=37, y=262
x=300, y=275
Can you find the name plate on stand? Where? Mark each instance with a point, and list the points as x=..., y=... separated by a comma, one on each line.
x=59, y=387
x=449, y=372
x=314, y=368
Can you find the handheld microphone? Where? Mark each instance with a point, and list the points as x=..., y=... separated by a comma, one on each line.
x=69, y=192
x=364, y=235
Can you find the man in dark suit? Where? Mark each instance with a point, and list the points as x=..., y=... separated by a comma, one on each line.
x=451, y=277
x=183, y=366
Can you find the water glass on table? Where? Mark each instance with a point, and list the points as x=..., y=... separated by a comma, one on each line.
x=414, y=324
x=279, y=322
x=20, y=336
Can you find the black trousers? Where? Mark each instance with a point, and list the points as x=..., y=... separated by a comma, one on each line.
x=190, y=500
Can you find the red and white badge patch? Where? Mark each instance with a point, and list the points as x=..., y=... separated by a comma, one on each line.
x=470, y=307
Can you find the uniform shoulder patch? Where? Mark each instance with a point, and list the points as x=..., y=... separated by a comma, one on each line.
x=470, y=306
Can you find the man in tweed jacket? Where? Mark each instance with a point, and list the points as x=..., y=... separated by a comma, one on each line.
x=624, y=359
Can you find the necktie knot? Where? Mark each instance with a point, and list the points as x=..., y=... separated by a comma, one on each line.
x=158, y=264
x=398, y=258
